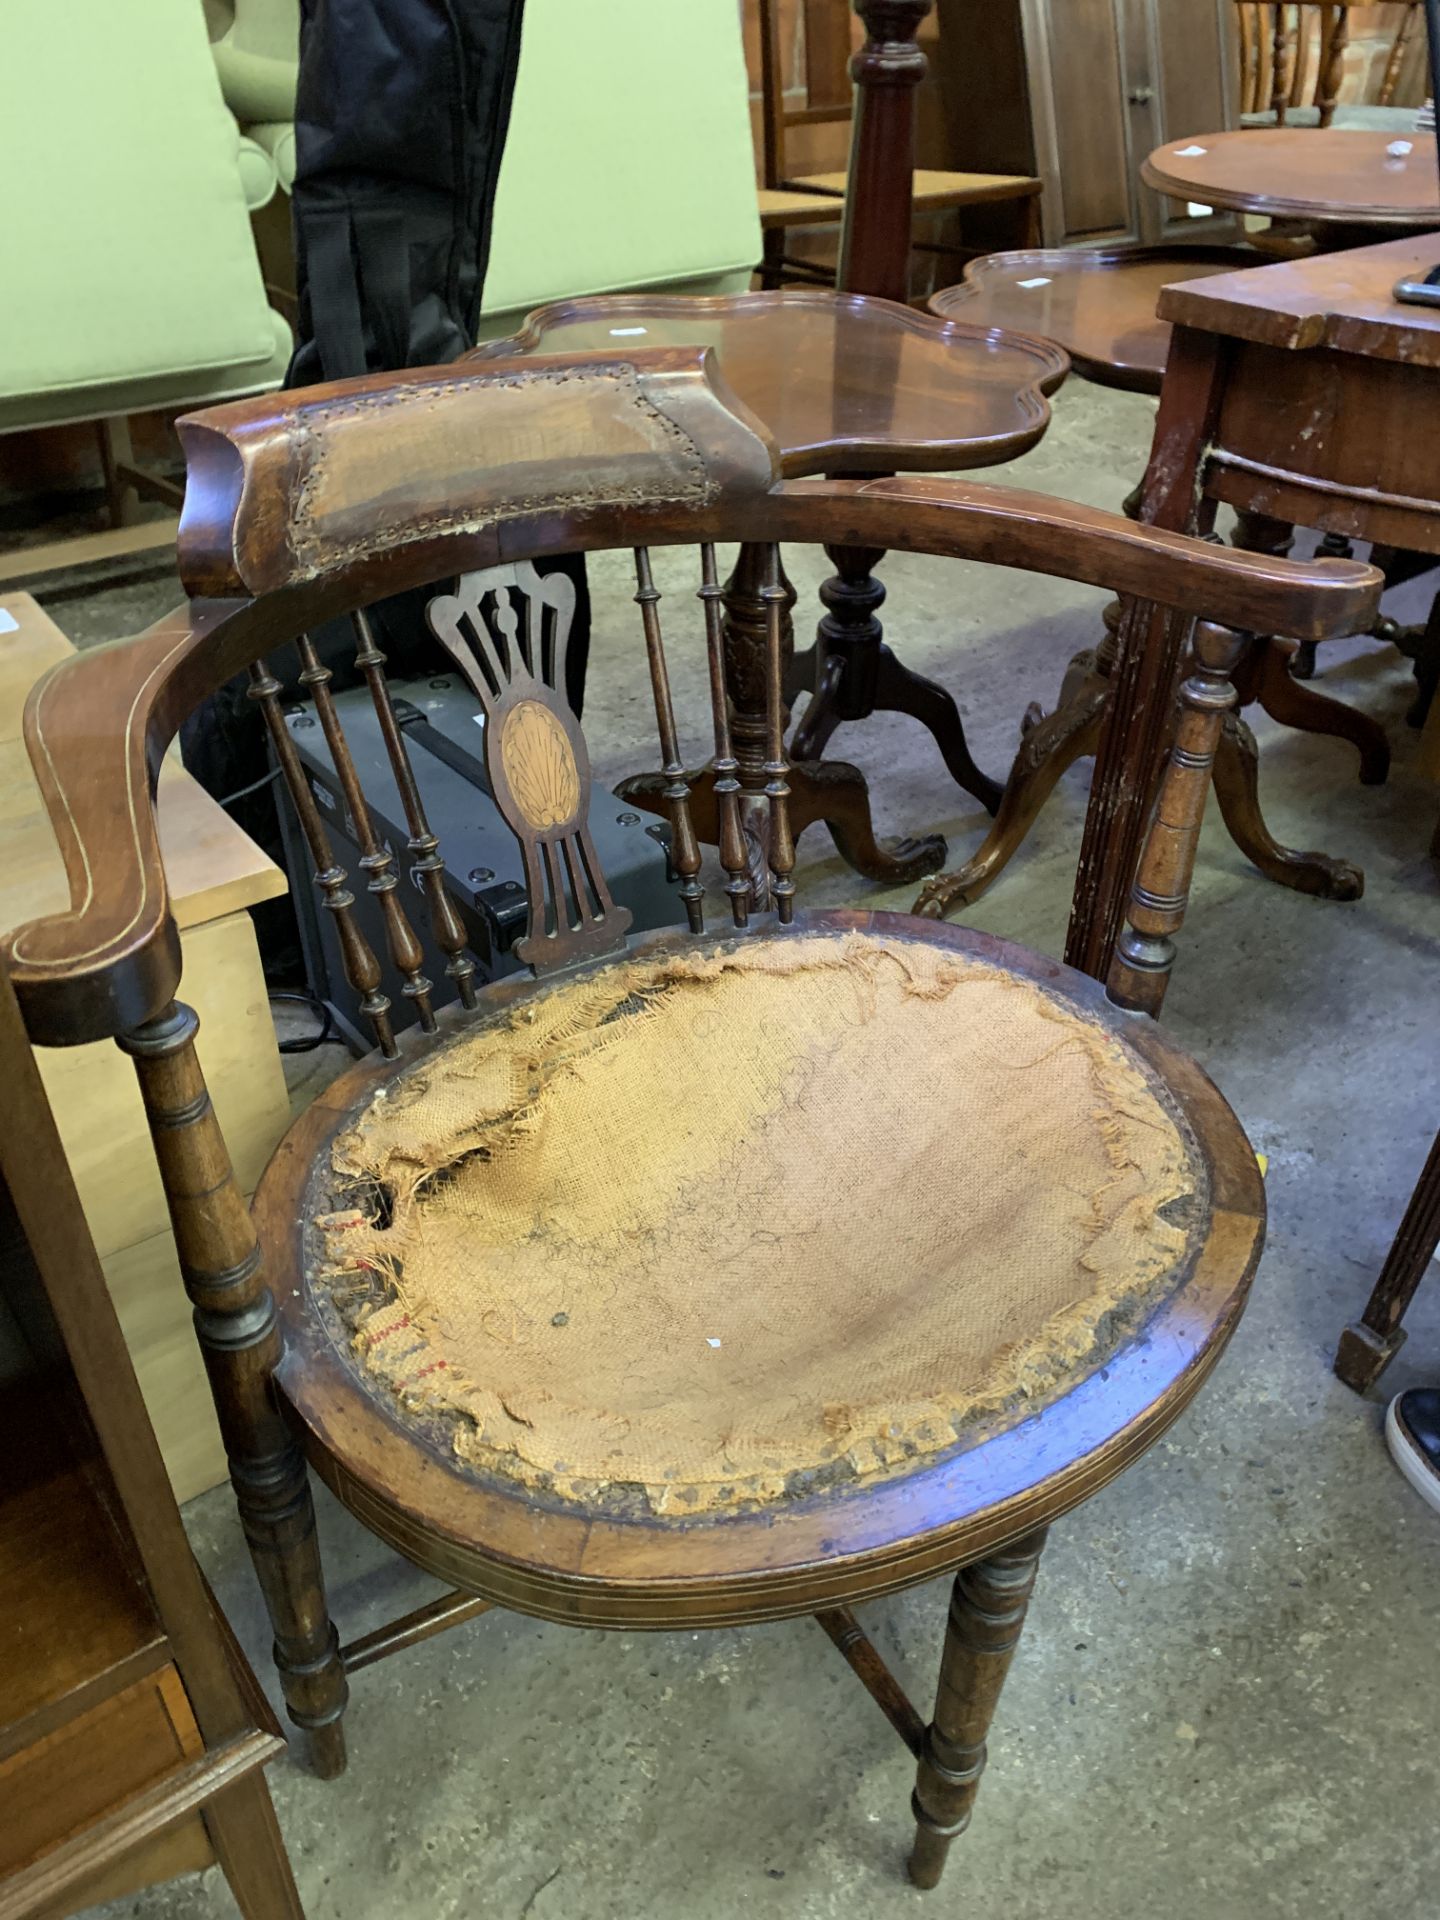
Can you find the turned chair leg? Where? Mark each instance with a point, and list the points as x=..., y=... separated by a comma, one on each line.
x=235, y=1322
x=987, y=1611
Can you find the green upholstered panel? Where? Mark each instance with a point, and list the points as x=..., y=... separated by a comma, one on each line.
x=629, y=161
x=127, y=246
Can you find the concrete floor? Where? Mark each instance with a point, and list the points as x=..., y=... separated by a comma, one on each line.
x=1226, y=1701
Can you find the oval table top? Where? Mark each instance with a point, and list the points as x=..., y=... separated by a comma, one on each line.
x=845, y=383
x=1303, y=173
x=1098, y=303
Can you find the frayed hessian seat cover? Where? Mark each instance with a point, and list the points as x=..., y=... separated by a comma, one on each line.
x=713, y=1227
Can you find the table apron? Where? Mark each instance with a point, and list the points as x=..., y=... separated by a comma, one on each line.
x=1331, y=440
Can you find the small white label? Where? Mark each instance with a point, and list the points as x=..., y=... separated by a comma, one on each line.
x=1041, y=280
x=8, y=622
x=623, y=333
x=1196, y=211
x=1188, y=153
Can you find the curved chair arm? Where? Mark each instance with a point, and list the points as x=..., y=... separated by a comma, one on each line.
x=1008, y=527
x=302, y=507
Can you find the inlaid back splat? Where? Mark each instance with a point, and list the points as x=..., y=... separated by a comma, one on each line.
x=535, y=753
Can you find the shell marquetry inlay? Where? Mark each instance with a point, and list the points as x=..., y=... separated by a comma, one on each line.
x=539, y=765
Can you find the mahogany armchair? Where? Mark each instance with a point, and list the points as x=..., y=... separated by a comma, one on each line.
x=543, y=1289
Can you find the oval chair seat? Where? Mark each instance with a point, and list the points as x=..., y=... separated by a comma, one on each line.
x=736, y=1245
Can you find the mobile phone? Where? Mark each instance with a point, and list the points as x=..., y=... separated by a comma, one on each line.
x=1420, y=293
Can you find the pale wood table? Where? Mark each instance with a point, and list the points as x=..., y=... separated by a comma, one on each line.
x=215, y=872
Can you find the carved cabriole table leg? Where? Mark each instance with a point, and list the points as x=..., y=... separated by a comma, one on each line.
x=235, y=1323
x=987, y=1611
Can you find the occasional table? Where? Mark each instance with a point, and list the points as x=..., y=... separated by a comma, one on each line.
x=1344, y=175
x=1098, y=303
x=1301, y=394
x=847, y=384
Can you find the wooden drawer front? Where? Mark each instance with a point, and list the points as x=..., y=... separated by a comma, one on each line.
x=55, y=1787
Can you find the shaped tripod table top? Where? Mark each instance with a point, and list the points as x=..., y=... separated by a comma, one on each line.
x=1098, y=303
x=1343, y=301
x=1305, y=173
x=844, y=382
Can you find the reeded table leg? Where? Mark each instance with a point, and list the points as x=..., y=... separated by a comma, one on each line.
x=987, y=1611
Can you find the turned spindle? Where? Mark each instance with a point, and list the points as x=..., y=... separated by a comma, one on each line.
x=684, y=847
x=726, y=784
x=423, y=847
x=777, y=789
x=362, y=969
x=377, y=862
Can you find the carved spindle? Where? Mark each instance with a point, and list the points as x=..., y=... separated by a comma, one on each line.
x=235, y=1323
x=362, y=969
x=423, y=846
x=376, y=859
x=1145, y=952
x=987, y=1611
x=777, y=790
x=684, y=847
x=1334, y=38
x=1279, y=64
x=726, y=785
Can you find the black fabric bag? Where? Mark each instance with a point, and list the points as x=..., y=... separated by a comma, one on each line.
x=401, y=112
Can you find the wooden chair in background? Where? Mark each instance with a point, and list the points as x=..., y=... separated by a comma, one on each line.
x=572, y=1395
x=1292, y=62
x=825, y=64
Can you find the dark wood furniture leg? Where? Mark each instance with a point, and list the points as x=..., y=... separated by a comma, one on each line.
x=857, y=674
x=831, y=791
x=987, y=1611
x=1369, y=1344
x=246, y=1838
x=1283, y=694
x=860, y=675
x=235, y=1323
x=1139, y=713
x=1270, y=677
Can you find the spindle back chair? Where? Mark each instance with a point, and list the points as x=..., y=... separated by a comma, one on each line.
x=1292, y=56
x=546, y=1290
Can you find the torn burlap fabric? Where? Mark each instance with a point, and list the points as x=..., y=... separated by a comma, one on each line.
x=713, y=1224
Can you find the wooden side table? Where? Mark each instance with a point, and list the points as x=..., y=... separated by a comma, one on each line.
x=848, y=384
x=215, y=872
x=132, y=1733
x=1300, y=394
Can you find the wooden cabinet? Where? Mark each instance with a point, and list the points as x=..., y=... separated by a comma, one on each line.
x=1079, y=92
